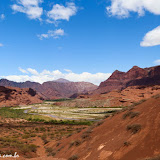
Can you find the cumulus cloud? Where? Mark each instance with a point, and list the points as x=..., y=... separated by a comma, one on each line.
x=2, y=16
x=52, y=34
x=29, y=7
x=122, y=8
x=45, y=75
x=1, y=45
x=152, y=38
x=60, y=12
x=157, y=62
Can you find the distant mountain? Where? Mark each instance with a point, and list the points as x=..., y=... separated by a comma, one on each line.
x=136, y=76
x=10, y=96
x=53, y=89
x=61, y=80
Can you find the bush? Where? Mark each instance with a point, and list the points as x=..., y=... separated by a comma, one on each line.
x=50, y=152
x=130, y=114
x=76, y=143
x=154, y=158
x=127, y=144
x=137, y=103
x=134, y=128
x=156, y=96
x=74, y=157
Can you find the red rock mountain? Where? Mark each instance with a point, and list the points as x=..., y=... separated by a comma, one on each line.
x=10, y=96
x=134, y=77
x=53, y=89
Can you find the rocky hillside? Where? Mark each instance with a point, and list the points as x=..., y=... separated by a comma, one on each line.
x=10, y=96
x=134, y=77
x=53, y=89
x=132, y=134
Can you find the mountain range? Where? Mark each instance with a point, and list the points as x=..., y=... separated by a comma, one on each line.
x=60, y=88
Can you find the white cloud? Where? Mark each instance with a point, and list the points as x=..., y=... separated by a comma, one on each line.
x=152, y=38
x=52, y=33
x=157, y=62
x=46, y=75
x=32, y=71
x=1, y=45
x=22, y=70
x=68, y=70
x=29, y=7
x=60, y=12
x=2, y=16
x=122, y=8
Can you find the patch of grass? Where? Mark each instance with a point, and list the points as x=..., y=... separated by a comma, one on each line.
x=59, y=100
x=8, y=112
x=134, y=128
x=69, y=122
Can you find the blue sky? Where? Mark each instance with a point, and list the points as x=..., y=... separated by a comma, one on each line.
x=79, y=40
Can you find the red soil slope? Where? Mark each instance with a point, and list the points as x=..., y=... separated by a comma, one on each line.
x=113, y=141
x=10, y=96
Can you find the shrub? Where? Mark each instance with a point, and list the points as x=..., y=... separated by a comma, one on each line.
x=99, y=123
x=137, y=103
x=77, y=142
x=130, y=114
x=74, y=157
x=50, y=152
x=127, y=144
x=33, y=147
x=156, y=96
x=134, y=128
x=153, y=158
x=71, y=144
x=58, y=144
x=84, y=135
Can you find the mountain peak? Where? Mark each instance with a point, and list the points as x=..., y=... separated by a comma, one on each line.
x=62, y=80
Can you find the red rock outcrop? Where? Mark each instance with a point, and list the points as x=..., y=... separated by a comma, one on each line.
x=10, y=96
x=134, y=77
